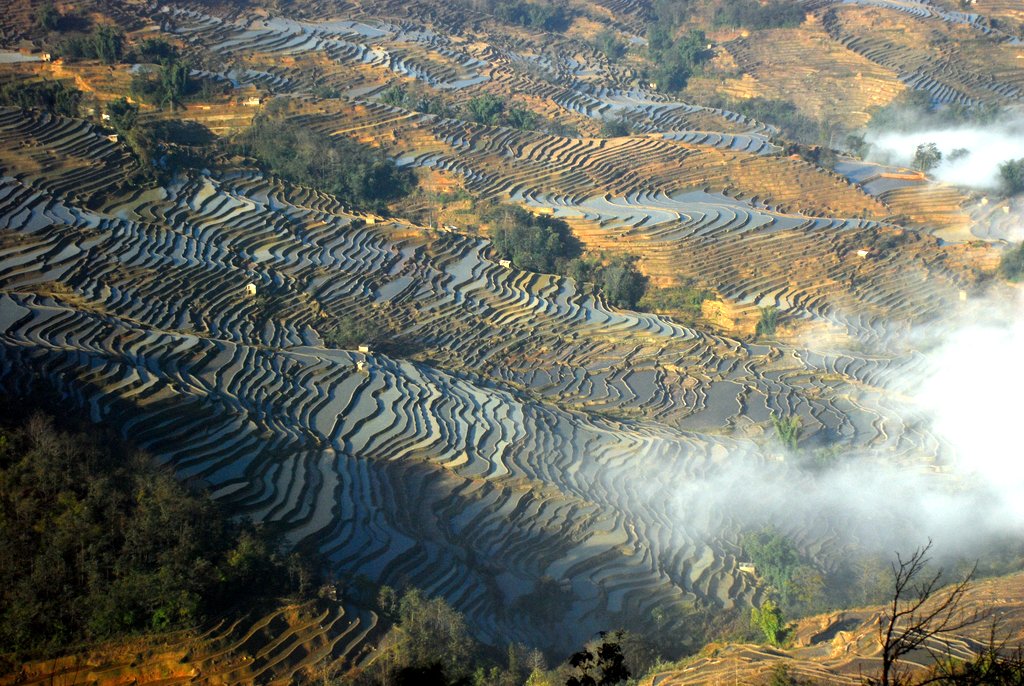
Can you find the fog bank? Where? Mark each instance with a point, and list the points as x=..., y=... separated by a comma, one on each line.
x=987, y=147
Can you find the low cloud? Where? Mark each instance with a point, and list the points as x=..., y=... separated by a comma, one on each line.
x=987, y=148
x=959, y=480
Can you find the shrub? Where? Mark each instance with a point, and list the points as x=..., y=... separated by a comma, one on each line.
x=787, y=429
x=546, y=16
x=156, y=50
x=682, y=302
x=768, y=618
x=105, y=43
x=608, y=43
x=167, y=86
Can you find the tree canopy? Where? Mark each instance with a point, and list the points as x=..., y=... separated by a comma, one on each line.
x=532, y=242
x=1011, y=176
x=1011, y=266
x=96, y=541
x=51, y=96
x=927, y=157
x=355, y=173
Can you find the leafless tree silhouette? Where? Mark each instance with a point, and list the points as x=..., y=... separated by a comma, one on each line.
x=920, y=614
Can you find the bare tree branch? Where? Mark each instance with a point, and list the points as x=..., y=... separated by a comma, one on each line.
x=920, y=612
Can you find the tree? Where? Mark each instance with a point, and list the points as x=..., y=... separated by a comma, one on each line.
x=485, y=109
x=919, y=613
x=520, y=118
x=857, y=145
x=108, y=43
x=622, y=282
x=927, y=157
x=780, y=676
x=958, y=154
x=768, y=618
x=123, y=115
x=349, y=331
x=535, y=243
x=47, y=17
x=429, y=641
x=603, y=666
x=774, y=555
x=52, y=96
x=615, y=128
x=157, y=50
x=1011, y=176
x=768, y=322
x=174, y=83
x=1011, y=265
x=787, y=429
x=608, y=43
x=353, y=172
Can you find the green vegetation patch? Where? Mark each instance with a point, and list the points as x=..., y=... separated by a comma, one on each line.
x=355, y=173
x=98, y=541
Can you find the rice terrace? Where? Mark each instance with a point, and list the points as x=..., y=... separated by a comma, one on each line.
x=511, y=342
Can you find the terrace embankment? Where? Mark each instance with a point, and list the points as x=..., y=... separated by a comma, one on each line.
x=843, y=648
x=291, y=643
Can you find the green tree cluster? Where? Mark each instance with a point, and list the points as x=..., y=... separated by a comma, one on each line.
x=547, y=602
x=97, y=541
x=1011, y=176
x=615, y=128
x=675, y=60
x=1011, y=265
x=797, y=587
x=768, y=619
x=913, y=110
x=752, y=14
x=123, y=115
x=682, y=302
x=609, y=45
x=546, y=16
x=927, y=157
x=105, y=43
x=780, y=113
x=415, y=98
x=618, y=278
x=350, y=331
x=486, y=109
x=767, y=323
x=604, y=665
x=50, y=96
x=156, y=51
x=545, y=244
x=355, y=173
x=166, y=86
x=165, y=146
x=48, y=17
x=532, y=242
x=787, y=429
